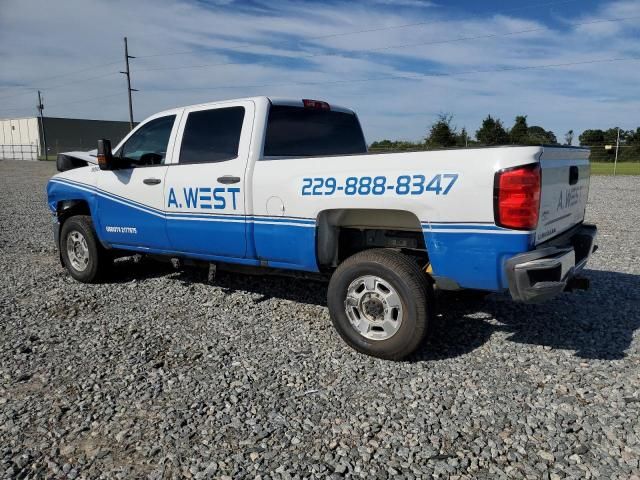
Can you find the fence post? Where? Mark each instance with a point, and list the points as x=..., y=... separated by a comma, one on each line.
x=615, y=162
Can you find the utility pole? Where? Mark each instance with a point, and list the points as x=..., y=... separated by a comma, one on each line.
x=128, y=74
x=44, y=136
x=615, y=163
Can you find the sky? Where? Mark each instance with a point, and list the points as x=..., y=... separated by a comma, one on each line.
x=397, y=63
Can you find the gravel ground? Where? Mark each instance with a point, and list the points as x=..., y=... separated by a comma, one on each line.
x=160, y=374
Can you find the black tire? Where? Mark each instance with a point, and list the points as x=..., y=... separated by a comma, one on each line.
x=98, y=258
x=410, y=283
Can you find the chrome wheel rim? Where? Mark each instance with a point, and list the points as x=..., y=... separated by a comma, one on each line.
x=373, y=307
x=77, y=250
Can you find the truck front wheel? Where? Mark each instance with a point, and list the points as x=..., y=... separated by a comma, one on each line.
x=81, y=251
x=380, y=303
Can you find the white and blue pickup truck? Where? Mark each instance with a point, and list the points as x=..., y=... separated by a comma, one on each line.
x=289, y=185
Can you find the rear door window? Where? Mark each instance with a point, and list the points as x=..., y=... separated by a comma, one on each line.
x=212, y=135
x=300, y=132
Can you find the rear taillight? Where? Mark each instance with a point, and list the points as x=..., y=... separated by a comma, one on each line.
x=516, y=197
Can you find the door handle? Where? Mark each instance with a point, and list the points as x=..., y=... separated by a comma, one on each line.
x=227, y=179
x=151, y=181
x=574, y=174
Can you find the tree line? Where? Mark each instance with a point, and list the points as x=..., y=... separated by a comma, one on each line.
x=492, y=132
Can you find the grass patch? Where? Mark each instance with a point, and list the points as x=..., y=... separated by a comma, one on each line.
x=623, y=168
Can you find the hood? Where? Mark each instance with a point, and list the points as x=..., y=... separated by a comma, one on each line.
x=70, y=160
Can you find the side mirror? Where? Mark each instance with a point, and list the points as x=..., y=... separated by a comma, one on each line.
x=105, y=157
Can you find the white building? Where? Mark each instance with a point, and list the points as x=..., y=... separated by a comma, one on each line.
x=22, y=138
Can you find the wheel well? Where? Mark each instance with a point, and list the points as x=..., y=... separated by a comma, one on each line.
x=69, y=208
x=343, y=232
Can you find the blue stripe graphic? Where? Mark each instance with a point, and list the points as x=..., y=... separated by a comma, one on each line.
x=192, y=215
x=468, y=226
x=472, y=254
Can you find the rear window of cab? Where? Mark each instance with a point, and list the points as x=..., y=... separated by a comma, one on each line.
x=303, y=132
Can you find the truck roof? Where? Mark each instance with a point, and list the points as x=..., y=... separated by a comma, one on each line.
x=294, y=102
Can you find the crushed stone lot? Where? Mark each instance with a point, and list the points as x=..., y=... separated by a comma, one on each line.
x=159, y=373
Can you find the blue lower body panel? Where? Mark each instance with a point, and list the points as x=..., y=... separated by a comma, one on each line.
x=117, y=222
x=475, y=258
x=285, y=243
x=202, y=234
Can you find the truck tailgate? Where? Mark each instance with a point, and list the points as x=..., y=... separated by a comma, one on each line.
x=565, y=188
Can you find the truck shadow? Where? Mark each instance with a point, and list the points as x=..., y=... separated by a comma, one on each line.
x=597, y=324
x=128, y=269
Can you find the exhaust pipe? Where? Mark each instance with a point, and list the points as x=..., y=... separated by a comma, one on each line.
x=577, y=283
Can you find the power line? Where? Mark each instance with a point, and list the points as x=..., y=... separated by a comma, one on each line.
x=35, y=86
x=405, y=77
x=356, y=32
x=494, y=35
x=406, y=45
x=72, y=82
x=89, y=99
x=309, y=55
x=408, y=77
x=431, y=22
x=347, y=81
x=319, y=37
x=64, y=104
x=391, y=47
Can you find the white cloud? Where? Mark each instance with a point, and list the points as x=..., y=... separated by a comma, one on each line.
x=39, y=39
x=405, y=3
x=622, y=9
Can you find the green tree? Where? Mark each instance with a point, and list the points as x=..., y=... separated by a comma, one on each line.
x=596, y=139
x=611, y=136
x=539, y=136
x=631, y=152
x=382, y=145
x=492, y=132
x=441, y=133
x=633, y=138
x=591, y=137
x=395, y=146
x=519, y=133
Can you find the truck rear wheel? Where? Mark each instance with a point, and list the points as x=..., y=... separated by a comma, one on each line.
x=380, y=302
x=82, y=254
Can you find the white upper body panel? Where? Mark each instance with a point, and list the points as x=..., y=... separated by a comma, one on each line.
x=454, y=185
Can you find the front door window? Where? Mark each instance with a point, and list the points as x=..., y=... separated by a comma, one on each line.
x=148, y=145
